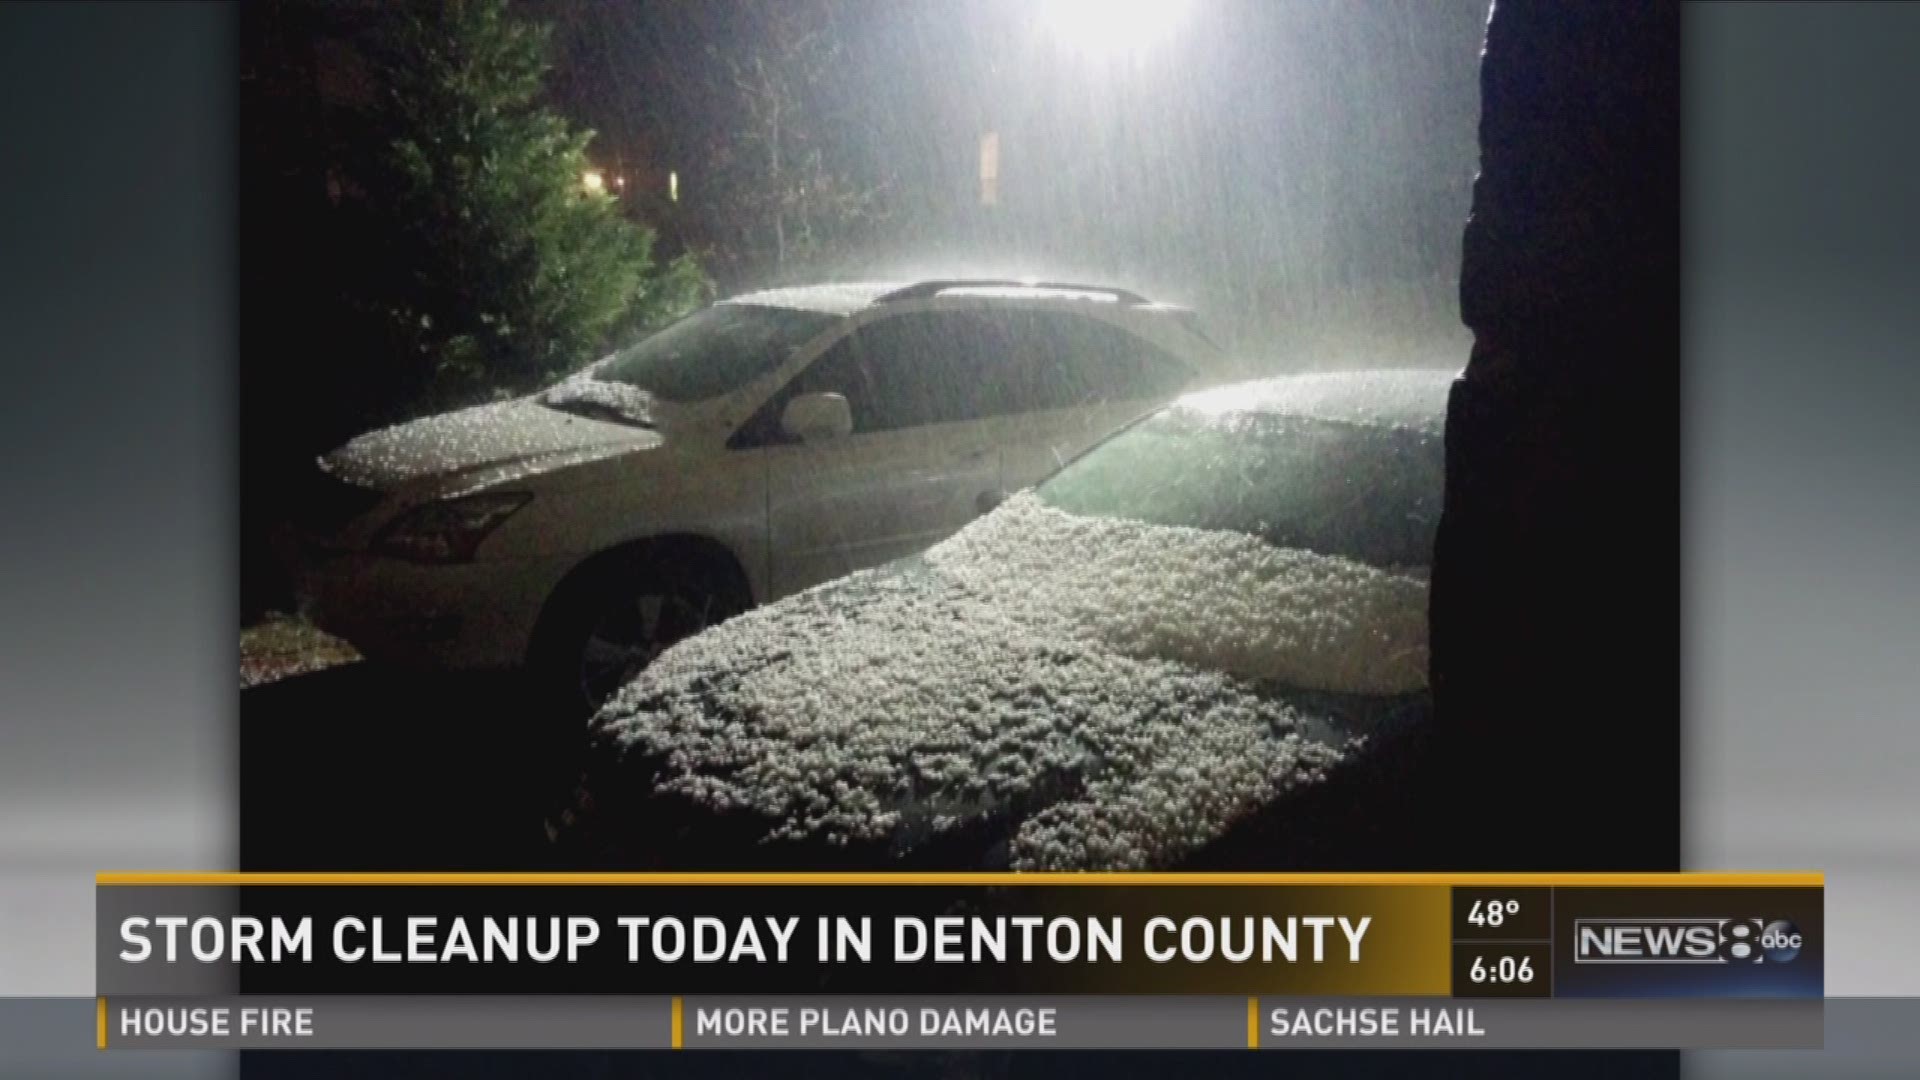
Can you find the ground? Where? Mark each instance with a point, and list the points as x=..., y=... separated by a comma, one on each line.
x=280, y=646
x=349, y=765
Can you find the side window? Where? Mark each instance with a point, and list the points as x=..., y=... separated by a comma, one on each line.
x=906, y=371
x=1066, y=360
x=934, y=367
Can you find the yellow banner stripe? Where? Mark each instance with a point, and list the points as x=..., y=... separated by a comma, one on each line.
x=100, y=1026
x=1812, y=879
x=1253, y=1023
x=679, y=1023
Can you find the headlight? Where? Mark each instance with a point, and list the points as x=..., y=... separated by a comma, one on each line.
x=449, y=530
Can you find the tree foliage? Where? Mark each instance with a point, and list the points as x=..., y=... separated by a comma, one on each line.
x=491, y=265
x=793, y=199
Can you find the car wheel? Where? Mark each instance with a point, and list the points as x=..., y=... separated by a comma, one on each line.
x=608, y=626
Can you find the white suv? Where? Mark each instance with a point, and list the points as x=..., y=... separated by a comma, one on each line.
x=759, y=446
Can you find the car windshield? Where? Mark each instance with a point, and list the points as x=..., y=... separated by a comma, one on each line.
x=1358, y=491
x=714, y=351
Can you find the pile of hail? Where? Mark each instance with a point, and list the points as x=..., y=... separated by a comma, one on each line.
x=1114, y=673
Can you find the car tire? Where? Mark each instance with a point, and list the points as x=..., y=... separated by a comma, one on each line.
x=608, y=622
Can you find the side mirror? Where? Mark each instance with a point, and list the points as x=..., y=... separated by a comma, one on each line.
x=813, y=417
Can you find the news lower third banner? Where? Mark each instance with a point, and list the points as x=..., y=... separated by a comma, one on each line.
x=959, y=960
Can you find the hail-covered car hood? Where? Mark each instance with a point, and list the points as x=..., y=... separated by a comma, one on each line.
x=520, y=436
x=1079, y=692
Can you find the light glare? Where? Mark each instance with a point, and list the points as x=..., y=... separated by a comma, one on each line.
x=1102, y=28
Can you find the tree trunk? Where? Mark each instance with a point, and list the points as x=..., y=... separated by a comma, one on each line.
x=1556, y=603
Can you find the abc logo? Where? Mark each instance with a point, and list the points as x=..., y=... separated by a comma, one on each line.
x=1749, y=939
x=1780, y=941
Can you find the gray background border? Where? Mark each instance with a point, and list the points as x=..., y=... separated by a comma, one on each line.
x=1802, y=610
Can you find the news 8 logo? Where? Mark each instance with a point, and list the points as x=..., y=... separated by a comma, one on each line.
x=1686, y=941
x=1773, y=942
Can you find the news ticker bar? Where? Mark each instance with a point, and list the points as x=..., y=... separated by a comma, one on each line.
x=1472, y=936
x=941, y=1022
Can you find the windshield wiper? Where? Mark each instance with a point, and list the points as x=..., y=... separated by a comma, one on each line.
x=620, y=402
x=592, y=410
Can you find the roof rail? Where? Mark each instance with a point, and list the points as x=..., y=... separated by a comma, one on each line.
x=924, y=290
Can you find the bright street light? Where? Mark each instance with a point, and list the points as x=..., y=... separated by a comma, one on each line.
x=1107, y=28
